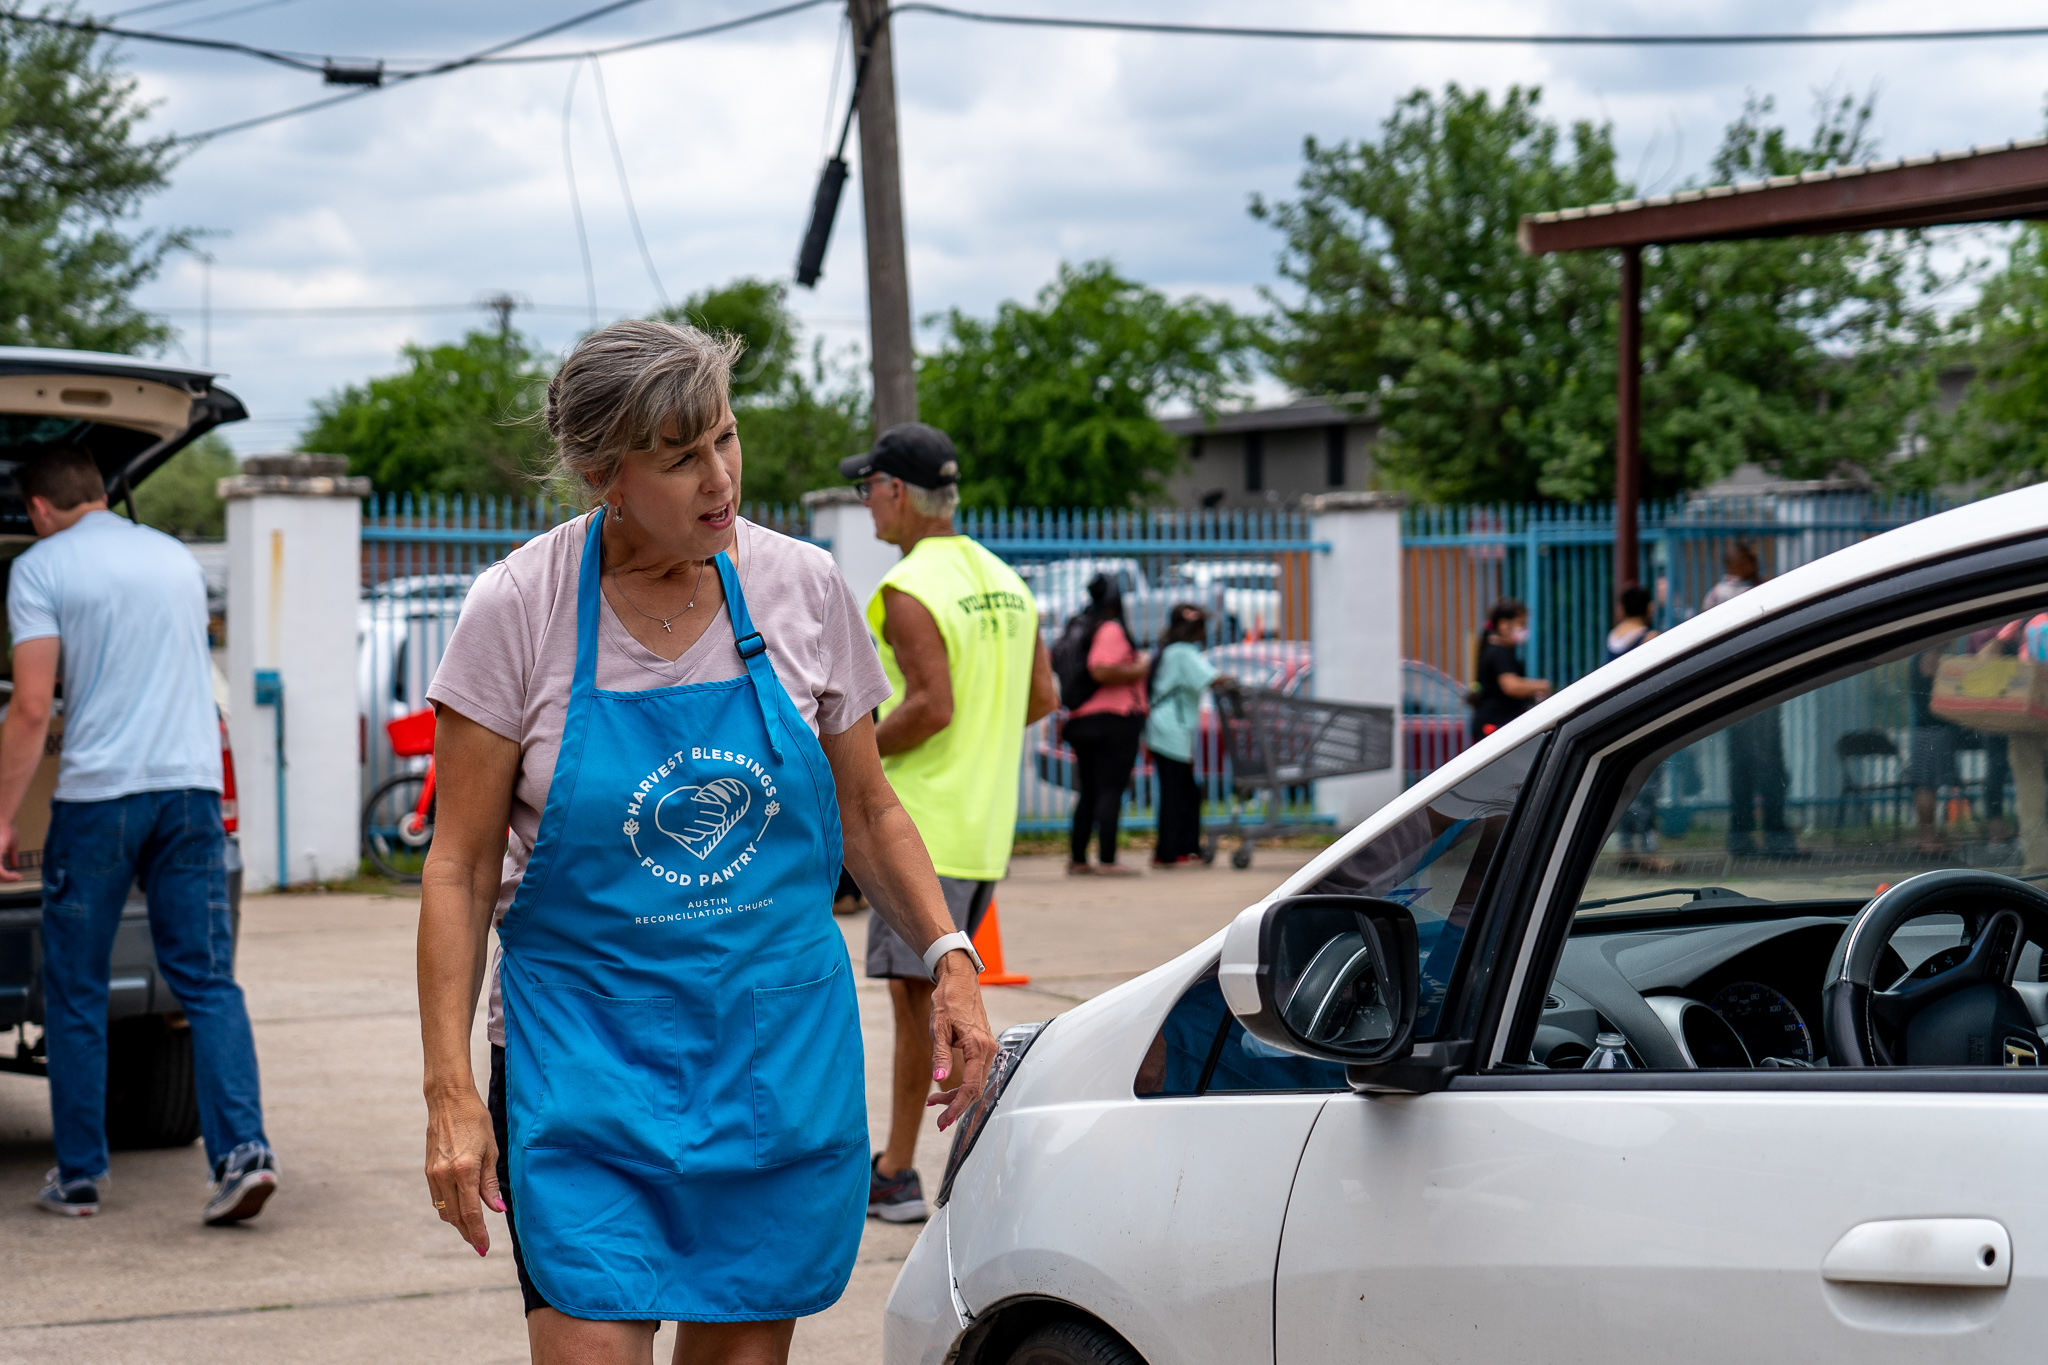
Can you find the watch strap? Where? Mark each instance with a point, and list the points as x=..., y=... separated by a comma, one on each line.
x=946, y=943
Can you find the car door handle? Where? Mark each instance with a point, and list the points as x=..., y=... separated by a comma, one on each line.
x=1971, y=1253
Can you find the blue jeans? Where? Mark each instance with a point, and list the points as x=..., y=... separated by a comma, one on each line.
x=95, y=851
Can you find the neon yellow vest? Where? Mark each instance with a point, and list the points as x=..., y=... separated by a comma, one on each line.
x=960, y=786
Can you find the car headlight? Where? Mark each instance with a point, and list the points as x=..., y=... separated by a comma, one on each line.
x=1010, y=1050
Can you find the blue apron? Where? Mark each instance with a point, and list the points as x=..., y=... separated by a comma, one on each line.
x=683, y=1064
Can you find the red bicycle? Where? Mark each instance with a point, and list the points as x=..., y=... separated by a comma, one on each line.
x=398, y=819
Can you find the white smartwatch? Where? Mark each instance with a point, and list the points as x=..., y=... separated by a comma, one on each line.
x=946, y=943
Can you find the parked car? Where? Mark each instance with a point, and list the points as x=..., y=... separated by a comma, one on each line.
x=1286, y=665
x=1436, y=725
x=1060, y=587
x=133, y=415
x=1481, y=1083
x=1246, y=593
x=1433, y=714
x=400, y=639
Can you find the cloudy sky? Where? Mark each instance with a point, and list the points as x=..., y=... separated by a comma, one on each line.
x=1021, y=148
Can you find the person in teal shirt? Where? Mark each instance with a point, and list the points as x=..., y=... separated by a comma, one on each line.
x=1180, y=676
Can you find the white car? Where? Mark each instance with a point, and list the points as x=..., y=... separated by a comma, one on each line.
x=1493, y=1078
x=1247, y=591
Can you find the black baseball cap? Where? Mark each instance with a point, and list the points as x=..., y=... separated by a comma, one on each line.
x=919, y=455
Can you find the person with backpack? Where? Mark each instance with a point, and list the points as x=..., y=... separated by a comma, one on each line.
x=1102, y=685
x=1180, y=675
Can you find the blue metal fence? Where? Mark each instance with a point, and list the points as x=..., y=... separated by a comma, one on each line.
x=1249, y=570
x=1559, y=560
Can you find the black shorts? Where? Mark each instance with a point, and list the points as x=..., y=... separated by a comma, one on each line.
x=499, y=1130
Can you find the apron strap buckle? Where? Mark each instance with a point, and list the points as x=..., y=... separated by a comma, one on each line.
x=751, y=644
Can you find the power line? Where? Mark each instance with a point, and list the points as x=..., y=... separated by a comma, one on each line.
x=491, y=57
x=1537, y=39
x=576, y=200
x=236, y=13
x=377, y=310
x=496, y=55
x=604, y=107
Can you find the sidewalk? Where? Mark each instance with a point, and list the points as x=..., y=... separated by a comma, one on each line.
x=350, y=1262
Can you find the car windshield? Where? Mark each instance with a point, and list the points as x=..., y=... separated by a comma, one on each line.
x=1934, y=757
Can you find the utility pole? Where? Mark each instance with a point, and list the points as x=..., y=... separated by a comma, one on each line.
x=881, y=187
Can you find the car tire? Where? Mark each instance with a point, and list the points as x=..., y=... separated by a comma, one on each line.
x=1074, y=1343
x=152, y=1085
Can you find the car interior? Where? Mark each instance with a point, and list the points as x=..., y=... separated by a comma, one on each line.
x=1760, y=900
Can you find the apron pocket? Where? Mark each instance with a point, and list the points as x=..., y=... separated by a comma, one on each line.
x=610, y=1074
x=809, y=1086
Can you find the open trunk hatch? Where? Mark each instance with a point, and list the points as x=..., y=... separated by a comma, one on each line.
x=132, y=414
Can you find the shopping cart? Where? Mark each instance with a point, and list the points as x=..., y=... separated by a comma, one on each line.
x=1276, y=742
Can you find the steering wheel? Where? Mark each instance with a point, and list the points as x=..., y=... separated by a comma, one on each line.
x=1963, y=1013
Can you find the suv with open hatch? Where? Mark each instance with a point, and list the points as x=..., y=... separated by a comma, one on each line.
x=1495, y=1078
x=132, y=415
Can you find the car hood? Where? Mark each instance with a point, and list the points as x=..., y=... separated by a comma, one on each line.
x=132, y=414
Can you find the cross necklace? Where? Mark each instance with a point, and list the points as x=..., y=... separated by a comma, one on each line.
x=619, y=583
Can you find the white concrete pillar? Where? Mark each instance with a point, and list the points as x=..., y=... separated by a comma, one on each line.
x=294, y=566
x=839, y=518
x=1355, y=604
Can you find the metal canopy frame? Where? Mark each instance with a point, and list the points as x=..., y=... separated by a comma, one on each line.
x=1982, y=185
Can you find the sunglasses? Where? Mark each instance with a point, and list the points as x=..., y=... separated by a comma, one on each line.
x=866, y=487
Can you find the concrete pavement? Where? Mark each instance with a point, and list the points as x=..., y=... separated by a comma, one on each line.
x=349, y=1262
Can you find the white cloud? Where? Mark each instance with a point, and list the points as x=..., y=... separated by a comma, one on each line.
x=1021, y=148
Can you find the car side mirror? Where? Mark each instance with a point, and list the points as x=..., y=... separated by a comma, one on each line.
x=1330, y=977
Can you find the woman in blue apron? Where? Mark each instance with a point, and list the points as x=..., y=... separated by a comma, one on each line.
x=676, y=1129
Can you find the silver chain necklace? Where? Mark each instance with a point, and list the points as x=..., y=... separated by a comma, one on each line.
x=620, y=584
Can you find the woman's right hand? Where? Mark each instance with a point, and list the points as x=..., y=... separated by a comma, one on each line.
x=462, y=1165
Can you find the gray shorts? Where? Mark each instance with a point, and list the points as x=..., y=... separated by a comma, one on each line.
x=1933, y=756
x=889, y=955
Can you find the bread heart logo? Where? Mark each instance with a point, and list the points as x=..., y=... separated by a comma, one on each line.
x=699, y=818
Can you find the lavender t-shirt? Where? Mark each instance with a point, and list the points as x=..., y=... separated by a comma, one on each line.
x=513, y=652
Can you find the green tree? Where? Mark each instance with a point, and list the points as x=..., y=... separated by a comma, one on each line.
x=1052, y=404
x=1493, y=371
x=757, y=312
x=796, y=421
x=1997, y=436
x=180, y=498
x=457, y=419
x=71, y=172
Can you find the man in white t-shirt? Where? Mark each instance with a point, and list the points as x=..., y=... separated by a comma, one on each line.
x=138, y=798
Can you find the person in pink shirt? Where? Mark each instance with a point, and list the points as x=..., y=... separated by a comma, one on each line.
x=1103, y=730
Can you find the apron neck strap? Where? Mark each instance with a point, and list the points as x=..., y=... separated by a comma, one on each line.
x=752, y=648
x=753, y=653
x=588, y=604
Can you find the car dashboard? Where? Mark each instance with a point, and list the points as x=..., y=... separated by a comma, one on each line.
x=1736, y=986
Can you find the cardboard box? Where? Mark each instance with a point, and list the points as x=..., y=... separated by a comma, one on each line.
x=1992, y=692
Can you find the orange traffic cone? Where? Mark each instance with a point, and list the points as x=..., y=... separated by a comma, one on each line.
x=988, y=941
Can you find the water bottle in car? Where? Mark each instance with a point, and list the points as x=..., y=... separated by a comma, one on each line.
x=1610, y=1053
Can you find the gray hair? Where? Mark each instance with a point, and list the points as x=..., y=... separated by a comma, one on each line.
x=621, y=383
x=933, y=502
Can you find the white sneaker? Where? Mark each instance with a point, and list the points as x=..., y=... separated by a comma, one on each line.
x=243, y=1180
x=78, y=1198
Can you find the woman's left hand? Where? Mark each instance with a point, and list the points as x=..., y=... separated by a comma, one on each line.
x=962, y=1046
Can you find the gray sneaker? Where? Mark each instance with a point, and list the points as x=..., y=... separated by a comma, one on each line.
x=242, y=1181
x=897, y=1198
x=78, y=1198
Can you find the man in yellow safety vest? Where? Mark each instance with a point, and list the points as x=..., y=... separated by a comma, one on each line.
x=958, y=634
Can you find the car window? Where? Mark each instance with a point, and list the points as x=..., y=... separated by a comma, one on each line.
x=1202, y=1049
x=1730, y=870
x=1435, y=862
